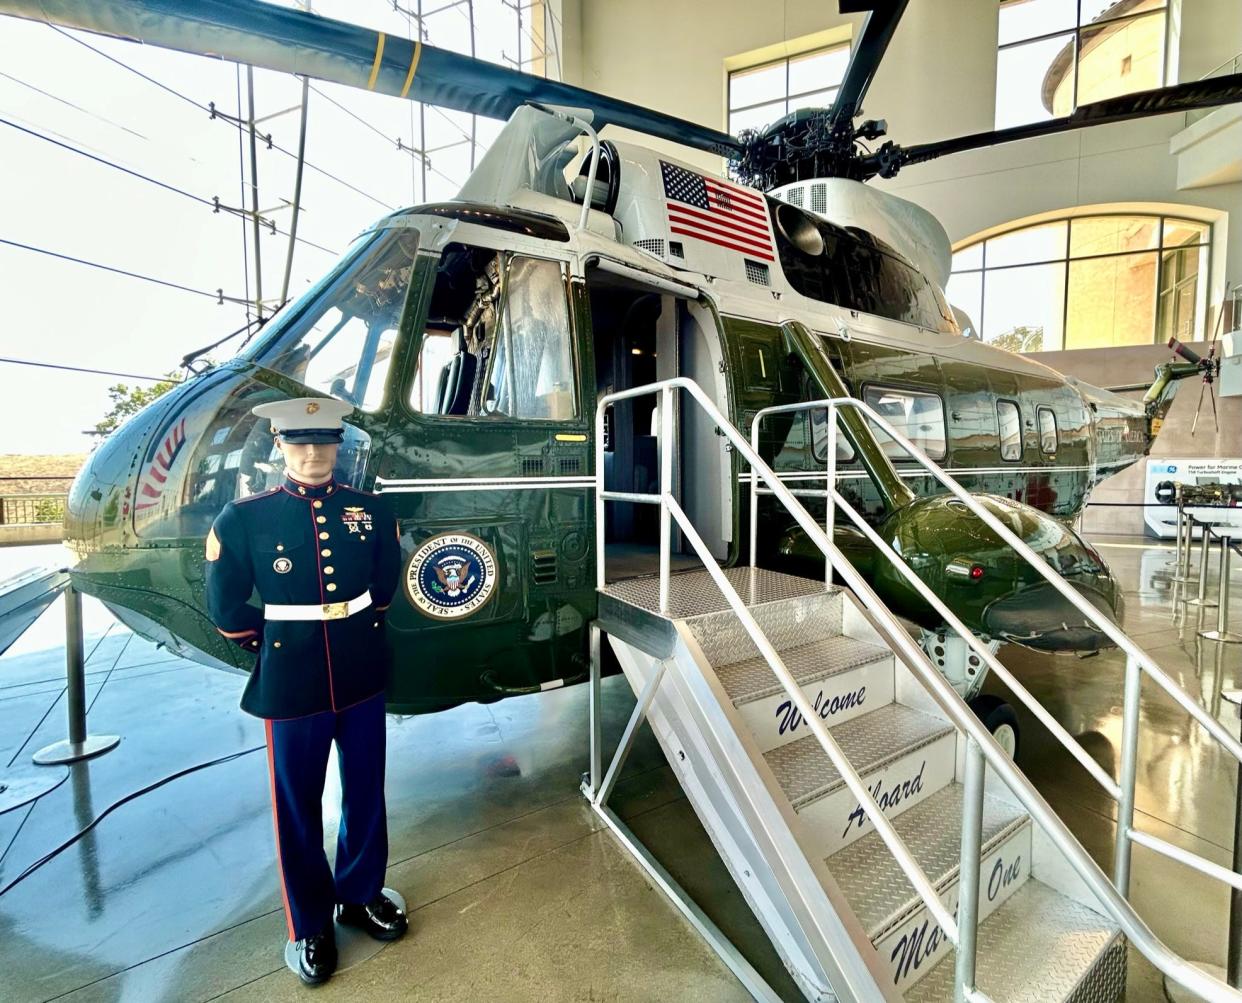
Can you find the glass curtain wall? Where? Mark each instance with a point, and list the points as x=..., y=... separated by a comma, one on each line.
x=759, y=95
x=1086, y=282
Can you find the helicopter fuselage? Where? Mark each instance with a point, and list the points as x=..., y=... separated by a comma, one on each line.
x=488, y=444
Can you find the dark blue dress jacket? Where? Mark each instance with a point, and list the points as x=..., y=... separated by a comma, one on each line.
x=305, y=544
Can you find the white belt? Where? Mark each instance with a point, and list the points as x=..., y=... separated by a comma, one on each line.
x=315, y=611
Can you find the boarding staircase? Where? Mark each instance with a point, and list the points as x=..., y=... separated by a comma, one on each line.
x=884, y=841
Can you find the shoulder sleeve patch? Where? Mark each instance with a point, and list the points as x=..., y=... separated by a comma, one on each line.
x=213, y=546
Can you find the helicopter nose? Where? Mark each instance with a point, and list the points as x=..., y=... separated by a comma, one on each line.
x=99, y=510
x=1039, y=616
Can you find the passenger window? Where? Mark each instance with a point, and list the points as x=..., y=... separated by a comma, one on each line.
x=341, y=344
x=819, y=437
x=1010, y=430
x=1047, y=431
x=497, y=340
x=916, y=414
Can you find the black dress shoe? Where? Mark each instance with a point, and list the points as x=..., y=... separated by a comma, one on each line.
x=317, y=957
x=382, y=918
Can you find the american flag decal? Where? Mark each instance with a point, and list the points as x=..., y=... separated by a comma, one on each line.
x=157, y=472
x=717, y=211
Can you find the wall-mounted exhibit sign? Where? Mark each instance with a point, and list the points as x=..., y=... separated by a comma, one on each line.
x=1164, y=473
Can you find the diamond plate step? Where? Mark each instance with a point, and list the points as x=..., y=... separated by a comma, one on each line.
x=874, y=882
x=630, y=609
x=902, y=755
x=752, y=679
x=786, y=623
x=842, y=678
x=806, y=774
x=1039, y=946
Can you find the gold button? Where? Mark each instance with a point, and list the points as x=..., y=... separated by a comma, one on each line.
x=321, y=518
x=280, y=546
x=275, y=644
x=331, y=586
x=323, y=536
x=375, y=624
x=326, y=552
x=362, y=536
x=318, y=503
x=328, y=570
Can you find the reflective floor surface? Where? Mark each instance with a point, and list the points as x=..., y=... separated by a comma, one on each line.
x=515, y=892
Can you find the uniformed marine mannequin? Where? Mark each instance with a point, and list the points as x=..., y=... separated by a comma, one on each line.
x=324, y=558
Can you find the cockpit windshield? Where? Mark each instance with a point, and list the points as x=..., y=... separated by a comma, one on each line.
x=339, y=338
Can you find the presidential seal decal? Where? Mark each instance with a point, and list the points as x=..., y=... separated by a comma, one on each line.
x=451, y=576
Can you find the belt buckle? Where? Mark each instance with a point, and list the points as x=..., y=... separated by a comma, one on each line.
x=335, y=610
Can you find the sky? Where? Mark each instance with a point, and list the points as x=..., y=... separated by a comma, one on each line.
x=52, y=82
x=58, y=200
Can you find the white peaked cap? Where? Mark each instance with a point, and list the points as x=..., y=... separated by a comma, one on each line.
x=306, y=419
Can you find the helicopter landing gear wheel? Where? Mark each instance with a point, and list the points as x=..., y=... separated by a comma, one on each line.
x=1000, y=719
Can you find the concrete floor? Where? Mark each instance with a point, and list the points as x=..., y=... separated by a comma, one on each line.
x=515, y=892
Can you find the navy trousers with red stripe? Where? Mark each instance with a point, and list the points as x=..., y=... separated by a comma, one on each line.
x=298, y=759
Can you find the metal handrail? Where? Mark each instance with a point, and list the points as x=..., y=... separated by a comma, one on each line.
x=669, y=508
x=1113, y=900
x=1105, y=624
x=954, y=708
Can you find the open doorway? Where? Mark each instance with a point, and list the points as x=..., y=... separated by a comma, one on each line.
x=641, y=335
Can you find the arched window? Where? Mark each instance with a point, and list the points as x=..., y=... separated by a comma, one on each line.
x=1085, y=282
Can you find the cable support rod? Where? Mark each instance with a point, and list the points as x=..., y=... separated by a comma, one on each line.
x=82, y=369
x=218, y=295
x=202, y=107
x=213, y=203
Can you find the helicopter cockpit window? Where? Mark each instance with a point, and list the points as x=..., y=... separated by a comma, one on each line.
x=916, y=414
x=497, y=340
x=341, y=343
x=233, y=455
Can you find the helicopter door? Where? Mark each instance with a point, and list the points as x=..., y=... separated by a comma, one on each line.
x=706, y=464
x=643, y=330
x=489, y=472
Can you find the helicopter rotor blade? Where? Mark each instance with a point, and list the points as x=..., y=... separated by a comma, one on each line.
x=1161, y=101
x=877, y=32
x=293, y=41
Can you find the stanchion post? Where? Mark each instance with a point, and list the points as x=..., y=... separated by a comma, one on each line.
x=1177, y=546
x=1234, y=959
x=1202, y=599
x=1185, y=540
x=79, y=745
x=1222, y=632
